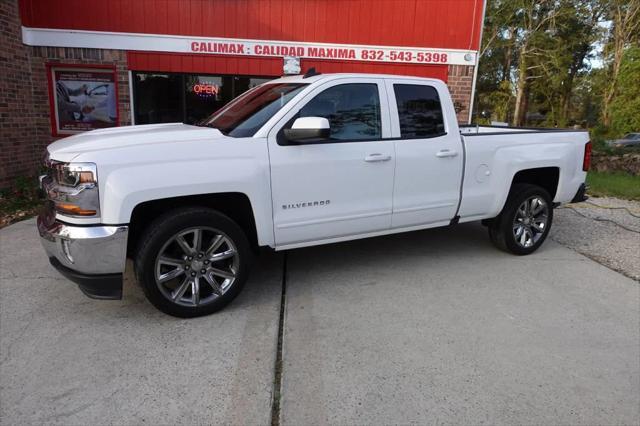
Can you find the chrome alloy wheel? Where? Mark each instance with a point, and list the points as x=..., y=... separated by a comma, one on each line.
x=196, y=266
x=530, y=221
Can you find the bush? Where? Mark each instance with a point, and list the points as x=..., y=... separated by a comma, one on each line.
x=19, y=201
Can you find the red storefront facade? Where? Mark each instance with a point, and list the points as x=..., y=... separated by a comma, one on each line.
x=177, y=59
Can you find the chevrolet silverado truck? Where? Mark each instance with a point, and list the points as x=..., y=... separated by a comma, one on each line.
x=295, y=162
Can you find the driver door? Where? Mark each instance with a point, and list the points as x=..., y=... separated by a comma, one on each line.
x=341, y=186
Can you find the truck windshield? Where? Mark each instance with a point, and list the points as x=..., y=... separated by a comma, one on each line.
x=243, y=116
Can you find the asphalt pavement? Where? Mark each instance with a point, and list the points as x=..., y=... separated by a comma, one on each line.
x=429, y=327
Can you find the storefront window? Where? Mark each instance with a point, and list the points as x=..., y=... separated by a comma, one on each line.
x=157, y=98
x=187, y=98
x=205, y=94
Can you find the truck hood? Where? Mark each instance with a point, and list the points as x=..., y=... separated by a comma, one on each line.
x=121, y=137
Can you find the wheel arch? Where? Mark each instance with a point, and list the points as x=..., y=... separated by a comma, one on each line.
x=235, y=205
x=544, y=177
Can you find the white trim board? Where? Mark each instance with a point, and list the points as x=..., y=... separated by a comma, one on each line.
x=245, y=47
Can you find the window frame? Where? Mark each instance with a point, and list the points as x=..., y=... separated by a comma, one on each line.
x=277, y=130
x=395, y=116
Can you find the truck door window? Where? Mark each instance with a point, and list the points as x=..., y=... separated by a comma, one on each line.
x=419, y=111
x=353, y=111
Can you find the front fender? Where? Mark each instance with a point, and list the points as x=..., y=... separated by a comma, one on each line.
x=136, y=174
x=125, y=188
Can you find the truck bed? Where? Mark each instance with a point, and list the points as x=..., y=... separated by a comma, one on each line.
x=493, y=155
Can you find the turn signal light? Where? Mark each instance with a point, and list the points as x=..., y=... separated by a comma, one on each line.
x=74, y=210
x=586, y=162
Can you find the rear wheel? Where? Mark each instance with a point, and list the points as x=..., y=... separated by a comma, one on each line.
x=192, y=262
x=525, y=220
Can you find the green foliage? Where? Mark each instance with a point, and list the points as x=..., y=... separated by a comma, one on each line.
x=625, y=108
x=617, y=184
x=535, y=65
x=22, y=199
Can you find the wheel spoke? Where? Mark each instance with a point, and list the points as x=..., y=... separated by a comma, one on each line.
x=518, y=230
x=171, y=274
x=522, y=211
x=220, y=273
x=215, y=245
x=210, y=279
x=186, y=248
x=197, y=240
x=523, y=237
x=195, y=291
x=181, y=290
x=171, y=261
x=221, y=256
x=539, y=226
x=539, y=206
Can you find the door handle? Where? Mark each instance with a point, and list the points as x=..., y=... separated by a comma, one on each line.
x=373, y=158
x=446, y=153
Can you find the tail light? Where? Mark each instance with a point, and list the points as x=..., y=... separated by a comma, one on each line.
x=586, y=162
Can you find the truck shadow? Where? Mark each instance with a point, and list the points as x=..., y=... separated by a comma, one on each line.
x=345, y=260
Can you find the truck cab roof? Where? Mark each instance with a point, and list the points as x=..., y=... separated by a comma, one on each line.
x=331, y=76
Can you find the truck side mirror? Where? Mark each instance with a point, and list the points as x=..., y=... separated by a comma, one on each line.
x=308, y=130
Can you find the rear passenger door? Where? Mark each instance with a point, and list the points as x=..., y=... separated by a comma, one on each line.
x=429, y=157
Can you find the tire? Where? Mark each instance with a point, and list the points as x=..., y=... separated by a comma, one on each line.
x=520, y=231
x=192, y=262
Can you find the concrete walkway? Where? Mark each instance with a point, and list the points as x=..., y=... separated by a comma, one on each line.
x=438, y=327
x=66, y=359
x=429, y=327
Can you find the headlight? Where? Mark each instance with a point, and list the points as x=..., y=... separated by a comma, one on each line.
x=78, y=174
x=73, y=188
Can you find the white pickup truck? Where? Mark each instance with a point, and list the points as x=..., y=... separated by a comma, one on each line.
x=298, y=161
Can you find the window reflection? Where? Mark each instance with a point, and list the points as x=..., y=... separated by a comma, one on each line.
x=353, y=111
x=186, y=98
x=205, y=94
x=157, y=98
x=419, y=111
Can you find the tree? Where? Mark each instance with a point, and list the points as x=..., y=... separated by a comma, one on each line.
x=624, y=110
x=625, y=21
x=536, y=19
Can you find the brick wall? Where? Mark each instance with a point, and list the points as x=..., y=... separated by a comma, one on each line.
x=460, y=79
x=16, y=105
x=25, y=126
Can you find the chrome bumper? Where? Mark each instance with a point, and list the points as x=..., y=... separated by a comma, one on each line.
x=92, y=256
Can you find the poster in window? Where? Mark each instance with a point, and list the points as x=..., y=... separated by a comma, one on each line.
x=82, y=99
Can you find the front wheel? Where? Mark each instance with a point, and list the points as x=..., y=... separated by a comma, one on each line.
x=192, y=262
x=525, y=220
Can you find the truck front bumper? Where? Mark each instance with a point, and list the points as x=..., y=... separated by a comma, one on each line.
x=93, y=257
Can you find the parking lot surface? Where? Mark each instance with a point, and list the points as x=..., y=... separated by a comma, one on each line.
x=427, y=327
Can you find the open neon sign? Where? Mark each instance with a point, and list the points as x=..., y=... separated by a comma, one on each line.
x=206, y=89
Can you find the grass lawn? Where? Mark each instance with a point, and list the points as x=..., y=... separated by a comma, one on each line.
x=620, y=185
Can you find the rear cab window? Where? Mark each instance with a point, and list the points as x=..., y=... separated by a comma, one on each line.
x=419, y=111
